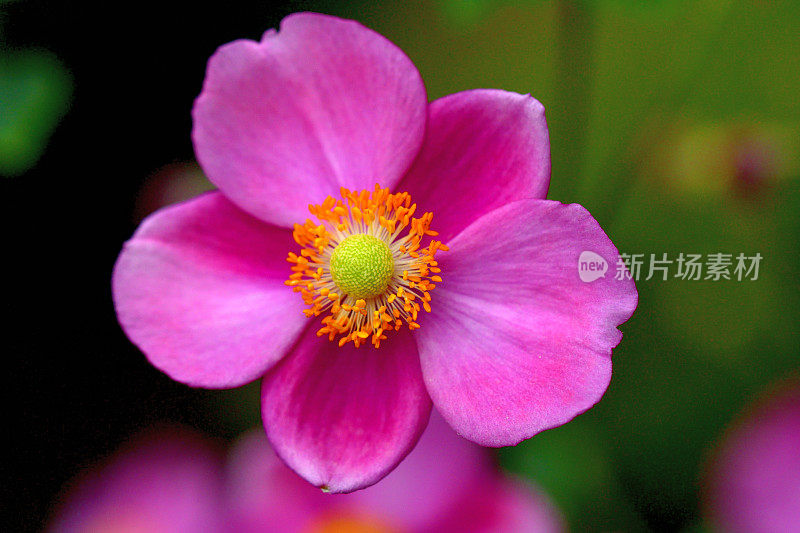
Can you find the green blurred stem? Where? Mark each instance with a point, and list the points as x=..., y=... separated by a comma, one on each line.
x=573, y=75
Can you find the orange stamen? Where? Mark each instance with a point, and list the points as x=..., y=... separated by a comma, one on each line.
x=383, y=215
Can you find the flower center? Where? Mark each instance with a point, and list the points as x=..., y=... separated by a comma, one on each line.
x=361, y=266
x=357, y=267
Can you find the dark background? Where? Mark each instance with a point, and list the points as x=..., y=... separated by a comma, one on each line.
x=76, y=388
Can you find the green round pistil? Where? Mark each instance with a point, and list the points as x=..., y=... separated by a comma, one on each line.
x=361, y=266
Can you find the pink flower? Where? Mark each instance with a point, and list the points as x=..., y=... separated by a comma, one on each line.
x=510, y=343
x=755, y=481
x=445, y=484
x=166, y=482
x=174, y=482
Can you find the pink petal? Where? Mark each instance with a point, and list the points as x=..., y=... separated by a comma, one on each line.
x=325, y=102
x=264, y=495
x=169, y=481
x=445, y=484
x=343, y=418
x=483, y=149
x=440, y=470
x=501, y=505
x=516, y=342
x=199, y=288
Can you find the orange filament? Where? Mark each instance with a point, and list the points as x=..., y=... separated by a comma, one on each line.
x=384, y=216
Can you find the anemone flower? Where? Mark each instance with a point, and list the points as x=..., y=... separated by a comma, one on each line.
x=174, y=482
x=754, y=486
x=353, y=343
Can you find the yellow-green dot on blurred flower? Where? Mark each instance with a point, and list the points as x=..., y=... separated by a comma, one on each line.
x=743, y=158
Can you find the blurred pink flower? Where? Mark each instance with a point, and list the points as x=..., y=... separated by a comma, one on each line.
x=512, y=343
x=166, y=482
x=755, y=480
x=750, y=159
x=445, y=484
x=174, y=485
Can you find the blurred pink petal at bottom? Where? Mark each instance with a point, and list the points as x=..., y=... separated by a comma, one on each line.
x=445, y=484
x=175, y=482
x=167, y=481
x=755, y=480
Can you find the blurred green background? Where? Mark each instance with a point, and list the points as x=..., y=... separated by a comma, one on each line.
x=675, y=123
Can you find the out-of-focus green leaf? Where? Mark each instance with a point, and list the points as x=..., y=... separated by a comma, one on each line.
x=35, y=92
